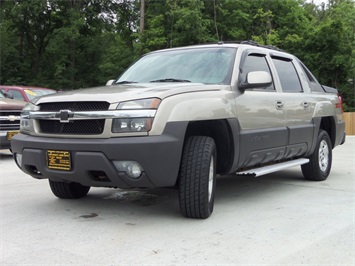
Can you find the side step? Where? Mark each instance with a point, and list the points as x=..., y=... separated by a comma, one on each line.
x=272, y=168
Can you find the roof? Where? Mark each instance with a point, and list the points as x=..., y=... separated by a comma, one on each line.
x=21, y=87
x=232, y=44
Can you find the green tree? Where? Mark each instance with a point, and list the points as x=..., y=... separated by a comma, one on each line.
x=69, y=44
x=32, y=23
x=64, y=44
x=10, y=63
x=158, y=26
x=175, y=23
x=232, y=18
x=115, y=59
x=329, y=48
x=282, y=23
x=189, y=25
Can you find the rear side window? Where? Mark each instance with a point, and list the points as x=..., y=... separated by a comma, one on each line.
x=255, y=62
x=313, y=83
x=288, y=76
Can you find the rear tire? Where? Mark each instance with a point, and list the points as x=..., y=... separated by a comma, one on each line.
x=197, y=177
x=320, y=162
x=72, y=190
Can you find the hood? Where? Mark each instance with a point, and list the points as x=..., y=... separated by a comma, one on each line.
x=10, y=104
x=120, y=93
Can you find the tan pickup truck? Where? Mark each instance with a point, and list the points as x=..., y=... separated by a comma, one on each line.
x=179, y=118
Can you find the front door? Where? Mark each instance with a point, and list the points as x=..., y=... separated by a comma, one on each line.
x=261, y=117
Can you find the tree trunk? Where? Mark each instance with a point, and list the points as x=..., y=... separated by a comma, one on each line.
x=141, y=26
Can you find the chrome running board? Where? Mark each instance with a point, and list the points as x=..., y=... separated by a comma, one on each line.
x=273, y=168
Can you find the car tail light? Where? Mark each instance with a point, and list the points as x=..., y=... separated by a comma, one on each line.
x=340, y=104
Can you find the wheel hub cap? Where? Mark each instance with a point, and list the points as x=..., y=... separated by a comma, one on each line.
x=210, y=180
x=323, y=156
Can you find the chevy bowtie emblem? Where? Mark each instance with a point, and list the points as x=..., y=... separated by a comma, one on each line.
x=13, y=118
x=64, y=115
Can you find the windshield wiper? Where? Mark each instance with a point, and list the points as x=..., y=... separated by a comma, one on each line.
x=125, y=82
x=170, y=80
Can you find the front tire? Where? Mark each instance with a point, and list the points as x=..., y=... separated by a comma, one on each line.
x=320, y=163
x=65, y=190
x=197, y=177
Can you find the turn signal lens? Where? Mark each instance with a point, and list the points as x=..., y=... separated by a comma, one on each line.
x=151, y=103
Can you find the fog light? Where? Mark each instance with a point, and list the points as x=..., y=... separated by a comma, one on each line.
x=131, y=168
x=18, y=159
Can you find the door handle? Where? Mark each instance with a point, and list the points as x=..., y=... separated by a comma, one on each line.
x=279, y=105
x=305, y=105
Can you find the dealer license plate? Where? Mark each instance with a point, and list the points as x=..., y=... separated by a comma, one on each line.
x=10, y=134
x=59, y=160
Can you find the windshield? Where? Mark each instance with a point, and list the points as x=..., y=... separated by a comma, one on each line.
x=33, y=93
x=2, y=95
x=199, y=65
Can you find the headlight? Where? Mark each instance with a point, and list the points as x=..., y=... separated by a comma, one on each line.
x=25, y=123
x=135, y=124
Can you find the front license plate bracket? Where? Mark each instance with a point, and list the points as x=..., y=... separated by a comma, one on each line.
x=10, y=134
x=59, y=160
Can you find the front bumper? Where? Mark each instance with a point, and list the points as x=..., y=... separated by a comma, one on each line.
x=159, y=157
x=4, y=142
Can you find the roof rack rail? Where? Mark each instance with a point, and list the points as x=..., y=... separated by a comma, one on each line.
x=271, y=47
x=250, y=42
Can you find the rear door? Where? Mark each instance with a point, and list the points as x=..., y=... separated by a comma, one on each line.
x=298, y=105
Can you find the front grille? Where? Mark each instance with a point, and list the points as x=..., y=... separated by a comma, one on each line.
x=8, y=127
x=7, y=113
x=84, y=127
x=75, y=106
x=75, y=127
x=6, y=124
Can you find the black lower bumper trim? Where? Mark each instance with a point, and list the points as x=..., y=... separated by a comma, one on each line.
x=92, y=159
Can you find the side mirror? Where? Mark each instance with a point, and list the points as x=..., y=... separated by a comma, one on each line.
x=256, y=79
x=110, y=82
x=8, y=95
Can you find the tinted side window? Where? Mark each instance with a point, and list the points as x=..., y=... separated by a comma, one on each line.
x=255, y=63
x=288, y=76
x=314, y=85
x=17, y=95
